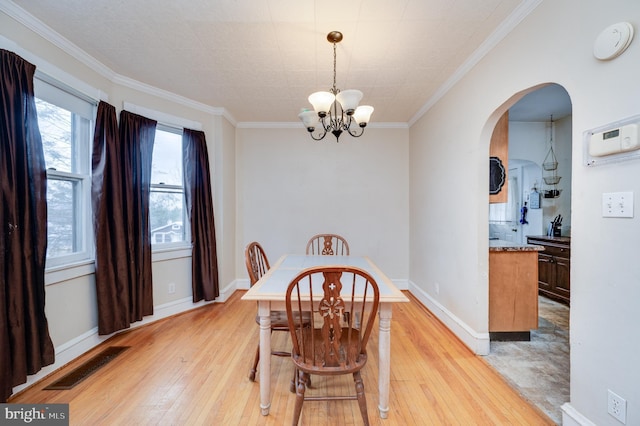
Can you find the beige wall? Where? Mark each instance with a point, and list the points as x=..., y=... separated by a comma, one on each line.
x=291, y=187
x=448, y=163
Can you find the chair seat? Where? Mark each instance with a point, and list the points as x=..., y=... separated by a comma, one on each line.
x=329, y=365
x=279, y=320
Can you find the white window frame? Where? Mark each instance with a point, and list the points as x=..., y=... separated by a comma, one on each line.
x=157, y=247
x=176, y=250
x=63, y=96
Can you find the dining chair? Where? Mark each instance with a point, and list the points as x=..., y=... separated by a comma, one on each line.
x=328, y=244
x=332, y=344
x=257, y=265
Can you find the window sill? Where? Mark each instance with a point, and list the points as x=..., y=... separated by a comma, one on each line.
x=169, y=253
x=67, y=272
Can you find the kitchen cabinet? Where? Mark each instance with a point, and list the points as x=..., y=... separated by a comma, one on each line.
x=554, y=267
x=499, y=161
x=513, y=290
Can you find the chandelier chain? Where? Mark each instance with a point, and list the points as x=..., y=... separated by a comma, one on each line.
x=335, y=89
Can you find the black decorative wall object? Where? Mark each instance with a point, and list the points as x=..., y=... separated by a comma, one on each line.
x=497, y=175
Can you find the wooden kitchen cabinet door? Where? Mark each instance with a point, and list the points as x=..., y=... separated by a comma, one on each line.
x=499, y=161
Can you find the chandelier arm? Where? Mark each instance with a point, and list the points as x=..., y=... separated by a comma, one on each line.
x=346, y=122
x=320, y=136
x=347, y=127
x=354, y=133
x=327, y=119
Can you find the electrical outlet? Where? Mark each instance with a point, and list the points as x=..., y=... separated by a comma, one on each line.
x=617, y=406
x=617, y=204
x=172, y=288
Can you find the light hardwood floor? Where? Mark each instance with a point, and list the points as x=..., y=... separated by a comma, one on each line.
x=191, y=369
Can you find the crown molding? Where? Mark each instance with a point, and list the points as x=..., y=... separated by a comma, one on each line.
x=37, y=26
x=20, y=15
x=46, y=32
x=164, y=94
x=512, y=21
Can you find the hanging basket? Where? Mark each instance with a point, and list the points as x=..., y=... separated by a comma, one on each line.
x=550, y=161
x=552, y=180
x=552, y=193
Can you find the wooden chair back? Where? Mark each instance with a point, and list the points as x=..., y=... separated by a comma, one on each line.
x=257, y=265
x=343, y=302
x=328, y=244
x=256, y=261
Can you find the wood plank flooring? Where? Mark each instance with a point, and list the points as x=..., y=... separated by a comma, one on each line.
x=191, y=369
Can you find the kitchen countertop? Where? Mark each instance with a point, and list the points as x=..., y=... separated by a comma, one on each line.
x=503, y=245
x=565, y=240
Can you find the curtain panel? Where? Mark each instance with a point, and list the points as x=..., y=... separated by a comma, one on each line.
x=121, y=168
x=112, y=266
x=137, y=134
x=199, y=201
x=25, y=344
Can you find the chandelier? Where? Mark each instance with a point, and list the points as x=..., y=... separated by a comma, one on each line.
x=337, y=111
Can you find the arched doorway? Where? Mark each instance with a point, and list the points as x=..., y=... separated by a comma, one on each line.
x=538, y=121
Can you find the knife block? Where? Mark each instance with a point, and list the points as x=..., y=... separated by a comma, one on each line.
x=553, y=231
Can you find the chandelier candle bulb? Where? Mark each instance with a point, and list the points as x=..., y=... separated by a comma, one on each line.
x=309, y=119
x=363, y=114
x=349, y=100
x=322, y=102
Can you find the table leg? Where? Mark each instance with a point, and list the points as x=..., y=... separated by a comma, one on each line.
x=384, y=353
x=264, y=312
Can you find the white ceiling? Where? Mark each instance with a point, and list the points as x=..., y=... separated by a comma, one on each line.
x=548, y=102
x=260, y=59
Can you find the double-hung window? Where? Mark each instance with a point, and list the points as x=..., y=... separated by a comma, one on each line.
x=167, y=215
x=65, y=120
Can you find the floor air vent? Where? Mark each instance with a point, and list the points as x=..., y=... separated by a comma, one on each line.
x=88, y=368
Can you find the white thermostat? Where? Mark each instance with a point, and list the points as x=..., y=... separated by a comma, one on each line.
x=613, y=141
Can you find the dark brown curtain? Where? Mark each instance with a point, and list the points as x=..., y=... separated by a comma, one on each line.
x=197, y=181
x=25, y=344
x=112, y=274
x=137, y=134
x=121, y=167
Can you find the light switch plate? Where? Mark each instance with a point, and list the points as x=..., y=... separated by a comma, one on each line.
x=617, y=204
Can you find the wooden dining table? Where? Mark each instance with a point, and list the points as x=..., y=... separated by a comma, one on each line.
x=270, y=291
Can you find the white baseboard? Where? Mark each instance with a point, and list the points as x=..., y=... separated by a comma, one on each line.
x=572, y=417
x=477, y=342
x=242, y=284
x=74, y=348
x=401, y=284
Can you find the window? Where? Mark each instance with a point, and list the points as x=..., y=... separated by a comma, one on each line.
x=65, y=120
x=167, y=215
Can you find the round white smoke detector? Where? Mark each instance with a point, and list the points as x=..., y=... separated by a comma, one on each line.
x=613, y=41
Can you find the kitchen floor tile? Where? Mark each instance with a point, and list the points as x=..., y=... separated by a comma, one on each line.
x=539, y=368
